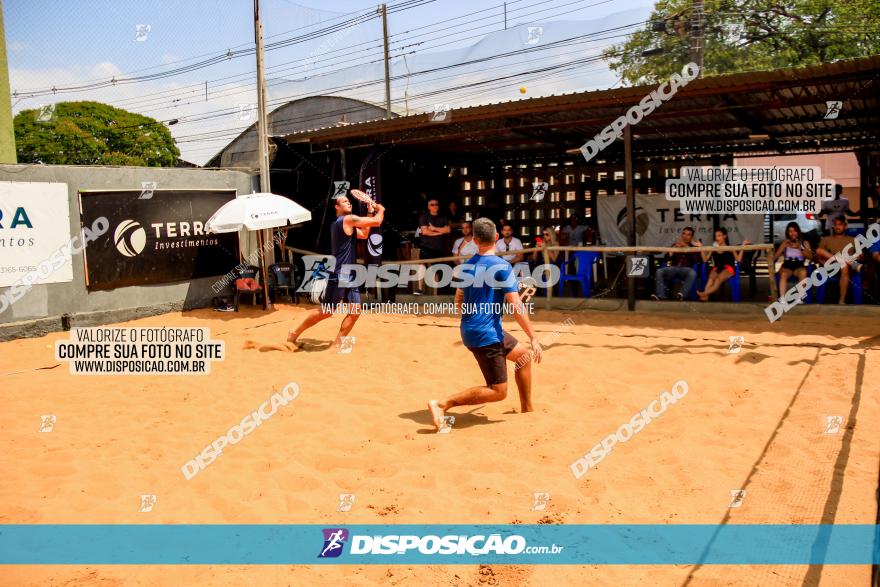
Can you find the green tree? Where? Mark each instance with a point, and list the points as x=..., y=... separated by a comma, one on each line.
x=91, y=133
x=750, y=35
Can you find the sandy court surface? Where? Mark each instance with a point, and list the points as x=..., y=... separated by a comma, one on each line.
x=752, y=420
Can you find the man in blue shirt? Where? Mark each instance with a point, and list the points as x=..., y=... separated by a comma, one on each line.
x=480, y=305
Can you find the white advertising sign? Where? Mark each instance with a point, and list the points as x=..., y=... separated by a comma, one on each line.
x=34, y=222
x=659, y=222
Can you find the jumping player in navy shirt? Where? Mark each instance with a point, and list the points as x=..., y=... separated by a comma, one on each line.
x=343, y=231
x=480, y=305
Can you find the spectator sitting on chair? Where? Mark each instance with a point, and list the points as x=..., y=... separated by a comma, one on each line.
x=680, y=267
x=508, y=243
x=796, y=251
x=465, y=245
x=573, y=234
x=723, y=264
x=830, y=246
x=548, y=238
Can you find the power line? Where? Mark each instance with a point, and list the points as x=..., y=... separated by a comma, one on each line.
x=278, y=68
x=406, y=5
x=336, y=28
x=360, y=85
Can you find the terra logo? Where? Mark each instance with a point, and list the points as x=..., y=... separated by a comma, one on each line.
x=374, y=245
x=19, y=217
x=334, y=541
x=130, y=238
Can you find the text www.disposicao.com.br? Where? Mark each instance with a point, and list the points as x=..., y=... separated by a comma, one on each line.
x=139, y=366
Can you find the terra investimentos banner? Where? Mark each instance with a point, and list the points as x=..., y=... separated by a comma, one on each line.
x=659, y=222
x=155, y=237
x=34, y=222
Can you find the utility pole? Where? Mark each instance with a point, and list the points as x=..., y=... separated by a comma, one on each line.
x=505, y=16
x=262, y=132
x=384, y=12
x=262, y=141
x=7, y=134
x=695, y=36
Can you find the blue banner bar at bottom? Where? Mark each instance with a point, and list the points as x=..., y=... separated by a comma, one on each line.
x=439, y=544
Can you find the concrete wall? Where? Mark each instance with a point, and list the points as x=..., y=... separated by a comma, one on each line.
x=43, y=305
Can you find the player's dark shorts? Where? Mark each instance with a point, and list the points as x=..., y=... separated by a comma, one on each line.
x=341, y=295
x=491, y=359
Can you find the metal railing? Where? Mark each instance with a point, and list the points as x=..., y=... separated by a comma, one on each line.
x=545, y=251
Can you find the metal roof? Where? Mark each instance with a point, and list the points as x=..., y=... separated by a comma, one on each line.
x=710, y=115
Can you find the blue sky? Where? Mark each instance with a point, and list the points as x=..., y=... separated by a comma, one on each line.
x=65, y=42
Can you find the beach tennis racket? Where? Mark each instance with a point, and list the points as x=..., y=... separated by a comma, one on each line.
x=363, y=197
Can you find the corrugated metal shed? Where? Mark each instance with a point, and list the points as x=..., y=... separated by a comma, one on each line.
x=752, y=113
x=297, y=115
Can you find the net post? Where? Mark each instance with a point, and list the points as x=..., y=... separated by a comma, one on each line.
x=547, y=277
x=771, y=273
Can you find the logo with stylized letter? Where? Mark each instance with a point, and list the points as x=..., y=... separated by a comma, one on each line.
x=539, y=190
x=374, y=245
x=340, y=188
x=317, y=268
x=334, y=541
x=130, y=238
x=833, y=109
x=637, y=266
x=540, y=502
x=833, y=424
x=735, y=344
x=535, y=34
x=441, y=113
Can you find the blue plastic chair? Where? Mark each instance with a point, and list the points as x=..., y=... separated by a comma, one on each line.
x=583, y=260
x=735, y=293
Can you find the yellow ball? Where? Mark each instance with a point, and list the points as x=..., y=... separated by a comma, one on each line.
x=522, y=90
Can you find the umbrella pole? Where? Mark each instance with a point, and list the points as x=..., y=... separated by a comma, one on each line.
x=266, y=304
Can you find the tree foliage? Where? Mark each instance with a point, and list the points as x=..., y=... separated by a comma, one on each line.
x=91, y=133
x=750, y=35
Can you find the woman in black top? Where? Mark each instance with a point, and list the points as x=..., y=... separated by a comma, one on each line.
x=723, y=264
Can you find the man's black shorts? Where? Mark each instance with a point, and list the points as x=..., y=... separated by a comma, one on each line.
x=491, y=359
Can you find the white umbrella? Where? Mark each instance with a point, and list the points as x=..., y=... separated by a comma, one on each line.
x=257, y=211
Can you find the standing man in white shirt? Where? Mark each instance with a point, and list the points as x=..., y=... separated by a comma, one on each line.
x=465, y=244
x=836, y=208
x=507, y=246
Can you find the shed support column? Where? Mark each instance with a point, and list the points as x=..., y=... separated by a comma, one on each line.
x=630, y=210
